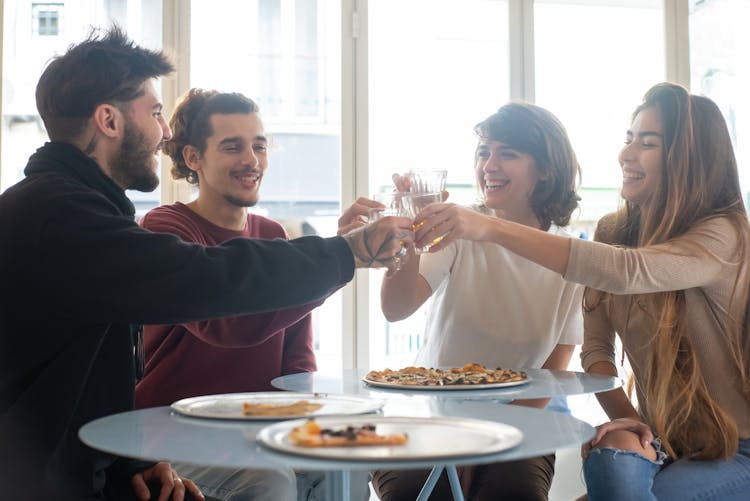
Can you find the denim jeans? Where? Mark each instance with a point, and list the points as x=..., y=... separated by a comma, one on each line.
x=616, y=475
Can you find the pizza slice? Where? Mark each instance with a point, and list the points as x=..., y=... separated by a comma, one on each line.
x=311, y=434
x=298, y=408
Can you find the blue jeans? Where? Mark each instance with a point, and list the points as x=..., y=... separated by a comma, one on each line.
x=616, y=475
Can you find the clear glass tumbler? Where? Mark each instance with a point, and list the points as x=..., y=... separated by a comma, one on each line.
x=414, y=203
x=427, y=181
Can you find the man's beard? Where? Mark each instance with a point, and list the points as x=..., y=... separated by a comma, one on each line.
x=132, y=168
x=244, y=202
x=238, y=202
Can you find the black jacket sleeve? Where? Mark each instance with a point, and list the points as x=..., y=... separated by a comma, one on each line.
x=98, y=263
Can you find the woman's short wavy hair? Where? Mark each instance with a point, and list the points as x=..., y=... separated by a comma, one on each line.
x=537, y=132
x=191, y=124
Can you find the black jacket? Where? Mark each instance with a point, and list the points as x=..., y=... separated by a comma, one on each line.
x=75, y=272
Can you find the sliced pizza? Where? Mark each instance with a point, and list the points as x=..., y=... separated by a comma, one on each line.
x=311, y=434
x=298, y=408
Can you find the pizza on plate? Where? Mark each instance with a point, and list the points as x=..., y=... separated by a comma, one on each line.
x=298, y=408
x=468, y=375
x=311, y=434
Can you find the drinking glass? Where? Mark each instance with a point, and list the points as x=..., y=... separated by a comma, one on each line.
x=414, y=203
x=394, y=205
x=427, y=181
x=375, y=213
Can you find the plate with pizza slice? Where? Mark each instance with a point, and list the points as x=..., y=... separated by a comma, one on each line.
x=389, y=438
x=470, y=376
x=274, y=405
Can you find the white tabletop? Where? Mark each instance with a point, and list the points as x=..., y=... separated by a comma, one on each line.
x=159, y=434
x=543, y=383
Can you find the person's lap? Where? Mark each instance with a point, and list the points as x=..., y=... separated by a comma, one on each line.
x=614, y=474
x=527, y=479
x=234, y=484
x=311, y=486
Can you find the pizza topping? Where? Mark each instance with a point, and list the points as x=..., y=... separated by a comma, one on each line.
x=311, y=434
x=469, y=374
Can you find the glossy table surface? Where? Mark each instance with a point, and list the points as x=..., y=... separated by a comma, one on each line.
x=543, y=383
x=160, y=434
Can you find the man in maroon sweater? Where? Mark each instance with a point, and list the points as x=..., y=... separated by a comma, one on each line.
x=218, y=144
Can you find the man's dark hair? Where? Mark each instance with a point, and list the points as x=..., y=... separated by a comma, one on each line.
x=107, y=67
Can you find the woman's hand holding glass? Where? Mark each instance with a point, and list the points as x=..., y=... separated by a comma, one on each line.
x=418, y=189
x=447, y=222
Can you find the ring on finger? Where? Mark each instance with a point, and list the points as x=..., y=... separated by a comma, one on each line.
x=396, y=263
x=402, y=251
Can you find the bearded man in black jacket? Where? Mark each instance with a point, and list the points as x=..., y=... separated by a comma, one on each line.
x=77, y=273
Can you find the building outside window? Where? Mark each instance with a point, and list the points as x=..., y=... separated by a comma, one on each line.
x=46, y=18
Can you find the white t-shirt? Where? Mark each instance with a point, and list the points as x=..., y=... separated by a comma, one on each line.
x=493, y=307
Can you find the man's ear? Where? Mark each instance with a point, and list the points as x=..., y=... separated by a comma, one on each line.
x=109, y=120
x=191, y=156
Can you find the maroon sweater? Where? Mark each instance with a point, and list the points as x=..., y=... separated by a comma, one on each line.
x=228, y=354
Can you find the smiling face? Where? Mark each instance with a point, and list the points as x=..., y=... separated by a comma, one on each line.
x=642, y=158
x=136, y=164
x=507, y=178
x=231, y=167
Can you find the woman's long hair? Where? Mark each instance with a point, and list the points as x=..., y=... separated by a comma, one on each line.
x=699, y=181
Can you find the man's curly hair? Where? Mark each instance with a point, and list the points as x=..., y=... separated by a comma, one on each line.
x=191, y=124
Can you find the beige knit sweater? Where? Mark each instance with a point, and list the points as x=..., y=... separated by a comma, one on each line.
x=702, y=263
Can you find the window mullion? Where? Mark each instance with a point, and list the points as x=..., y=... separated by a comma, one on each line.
x=175, y=39
x=677, y=41
x=521, y=47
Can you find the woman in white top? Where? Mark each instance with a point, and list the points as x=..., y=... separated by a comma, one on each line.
x=491, y=306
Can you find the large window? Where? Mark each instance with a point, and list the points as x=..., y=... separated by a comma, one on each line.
x=352, y=91
x=285, y=55
x=33, y=32
x=720, y=68
x=592, y=71
x=423, y=105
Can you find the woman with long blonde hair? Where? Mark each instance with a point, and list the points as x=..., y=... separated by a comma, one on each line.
x=669, y=275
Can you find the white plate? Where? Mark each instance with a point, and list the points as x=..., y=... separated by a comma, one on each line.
x=229, y=405
x=449, y=387
x=429, y=438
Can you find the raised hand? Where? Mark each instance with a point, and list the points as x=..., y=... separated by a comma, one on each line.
x=356, y=215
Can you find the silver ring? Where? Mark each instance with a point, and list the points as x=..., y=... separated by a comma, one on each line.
x=396, y=263
x=402, y=252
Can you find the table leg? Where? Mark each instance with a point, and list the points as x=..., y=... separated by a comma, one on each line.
x=429, y=485
x=455, y=484
x=338, y=485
